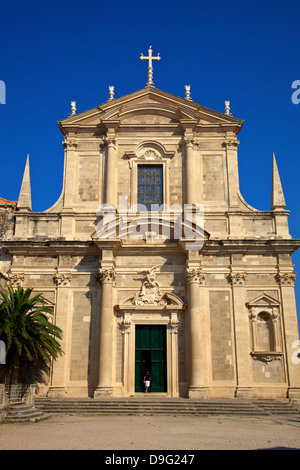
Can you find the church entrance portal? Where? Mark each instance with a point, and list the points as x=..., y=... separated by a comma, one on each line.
x=150, y=354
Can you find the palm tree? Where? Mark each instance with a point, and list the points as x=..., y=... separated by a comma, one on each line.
x=31, y=340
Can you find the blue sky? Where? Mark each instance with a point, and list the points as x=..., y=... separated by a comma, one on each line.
x=245, y=52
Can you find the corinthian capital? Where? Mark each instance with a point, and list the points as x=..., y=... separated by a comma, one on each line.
x=69, y=143
x=230, y=144
x=237, y=279
x=16, y=279
x=106, y=276
x=110, y=141
x=62, y=279
x=193, y=276
x=190, y=140
x=286, y=279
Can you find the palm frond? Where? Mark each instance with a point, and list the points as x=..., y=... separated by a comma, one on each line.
x=25, y=327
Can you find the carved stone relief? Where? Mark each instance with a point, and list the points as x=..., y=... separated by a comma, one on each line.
x=150, y=291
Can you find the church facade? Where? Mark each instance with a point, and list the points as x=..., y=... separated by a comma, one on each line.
x=199, y=291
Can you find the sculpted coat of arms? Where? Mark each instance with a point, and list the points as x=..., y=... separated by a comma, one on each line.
x=150, y=292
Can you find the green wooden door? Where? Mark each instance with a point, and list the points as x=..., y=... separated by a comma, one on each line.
x=150, y=354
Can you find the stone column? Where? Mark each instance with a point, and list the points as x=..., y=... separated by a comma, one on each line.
x=291, y=333
x=242, y=337
x=110, y=170
x=104, y=387
x=197, y=387
x=191, y=172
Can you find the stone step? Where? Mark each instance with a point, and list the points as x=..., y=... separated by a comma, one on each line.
x=157, y=406
x=23, y=412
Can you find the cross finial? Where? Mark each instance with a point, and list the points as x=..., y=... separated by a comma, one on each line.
x=150, y=68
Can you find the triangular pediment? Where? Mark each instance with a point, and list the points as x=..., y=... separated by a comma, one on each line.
x=150, y=106
x=263, y=300
x=44, y=301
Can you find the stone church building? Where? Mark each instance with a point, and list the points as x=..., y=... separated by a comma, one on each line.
x=207, y=307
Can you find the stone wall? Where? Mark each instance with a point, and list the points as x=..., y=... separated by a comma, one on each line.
x=7, y=227
x=7, y=220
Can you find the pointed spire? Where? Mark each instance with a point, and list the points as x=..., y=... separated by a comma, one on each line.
x=24, y=202
x=277, y=200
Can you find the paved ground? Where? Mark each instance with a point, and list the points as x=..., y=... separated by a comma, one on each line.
x=152, y=433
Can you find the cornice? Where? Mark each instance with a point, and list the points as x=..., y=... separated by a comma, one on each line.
x=187, y=110
x=288, y=246
x=230, y=246
x=27, y=247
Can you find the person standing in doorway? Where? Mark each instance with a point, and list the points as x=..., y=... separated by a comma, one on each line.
x=147, y=381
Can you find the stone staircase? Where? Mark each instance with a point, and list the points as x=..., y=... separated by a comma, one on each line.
x=22, y=412
x=20, y=408
x=165, y=406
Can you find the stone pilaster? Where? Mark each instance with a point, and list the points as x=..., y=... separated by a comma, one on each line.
x=67, y=227
x=191, y=171
x=234, y=218
x=125, y=327
x=231, y=144
x=197, y=388
x=174, y=379
x=106, y=279
x=63, y=315
x=242, y=336
x=70, y=145
x=110, y=189
x=286, y=282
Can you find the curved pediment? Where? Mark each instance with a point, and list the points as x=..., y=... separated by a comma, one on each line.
x=152, y=113
x=149, y=112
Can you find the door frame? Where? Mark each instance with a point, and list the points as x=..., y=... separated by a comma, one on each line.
x=162, y=349
x=168, y=314
x=171, y=355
